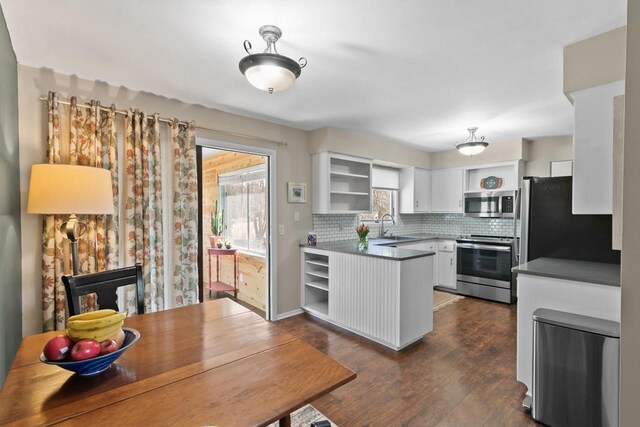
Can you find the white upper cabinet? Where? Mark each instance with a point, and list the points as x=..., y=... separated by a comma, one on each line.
x=593, y=148
x=385, y=177
x=341, y=184
x=446, y=190
x=415, y=190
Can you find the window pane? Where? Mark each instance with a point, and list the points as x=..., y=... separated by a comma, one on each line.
x=235, y=214
x=381, y=203
x=257, y=215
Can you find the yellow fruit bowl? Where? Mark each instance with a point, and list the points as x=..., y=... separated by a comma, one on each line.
x=98, y=364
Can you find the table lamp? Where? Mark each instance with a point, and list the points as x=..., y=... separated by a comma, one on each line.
x=70, y=189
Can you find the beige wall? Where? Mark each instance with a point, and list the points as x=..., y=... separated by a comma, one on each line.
x=502, y=151
x=541, y=151
x=293, y=164
x=630, y=321
x=356, y=144
x=595, y=61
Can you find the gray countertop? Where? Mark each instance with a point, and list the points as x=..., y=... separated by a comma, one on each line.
x=382, y=249
x=580, y=271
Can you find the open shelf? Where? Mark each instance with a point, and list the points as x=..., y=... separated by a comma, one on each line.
x=349, y=175
x=351, y=193
x=317, y=262
x=318, y=285
x=321, y=308
x=318, y=274
x=342, y=184
x=508, y=173
x=315, y=284
x=220, y=287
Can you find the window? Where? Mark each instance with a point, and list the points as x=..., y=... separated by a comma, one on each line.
x=383, y=202
x=243, y=196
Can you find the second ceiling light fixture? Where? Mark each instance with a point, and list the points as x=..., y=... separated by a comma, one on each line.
x=270, y=71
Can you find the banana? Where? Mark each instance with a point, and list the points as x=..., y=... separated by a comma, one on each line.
x=93, y=315
x=96, y=334
x=107, y=336
x=102, y=322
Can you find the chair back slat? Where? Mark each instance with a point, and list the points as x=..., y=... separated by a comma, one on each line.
x=104, y=284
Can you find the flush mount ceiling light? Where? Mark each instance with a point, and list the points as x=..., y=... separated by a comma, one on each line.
x=472, y=145
x=270, y=71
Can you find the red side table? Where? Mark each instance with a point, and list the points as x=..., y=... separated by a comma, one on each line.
x=219, y=286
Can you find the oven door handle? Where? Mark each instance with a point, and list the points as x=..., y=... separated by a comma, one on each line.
x=487, y=247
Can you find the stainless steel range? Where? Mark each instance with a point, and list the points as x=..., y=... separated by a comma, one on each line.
x=484, y=267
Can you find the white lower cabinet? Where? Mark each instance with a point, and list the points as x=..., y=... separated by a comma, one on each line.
x=447, y=264
x=429, y=246
x=381, y=299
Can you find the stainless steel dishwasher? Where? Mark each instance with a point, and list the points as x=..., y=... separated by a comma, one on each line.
x=575, y=369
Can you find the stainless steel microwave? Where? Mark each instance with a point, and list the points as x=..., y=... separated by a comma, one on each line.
x=490, y=204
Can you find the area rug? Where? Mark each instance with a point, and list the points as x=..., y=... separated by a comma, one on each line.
x=443, y=299
x=304, y=416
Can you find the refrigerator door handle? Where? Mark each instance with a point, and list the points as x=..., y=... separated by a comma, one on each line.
x=525, y=196
x=516, y=217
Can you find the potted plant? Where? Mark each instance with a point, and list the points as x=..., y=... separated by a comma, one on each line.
x=217, y=225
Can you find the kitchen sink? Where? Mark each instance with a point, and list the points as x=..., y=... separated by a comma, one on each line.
x=389, y=240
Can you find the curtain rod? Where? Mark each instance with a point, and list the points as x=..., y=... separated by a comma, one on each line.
x=165, y=120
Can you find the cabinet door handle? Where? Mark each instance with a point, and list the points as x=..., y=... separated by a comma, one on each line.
x=416, y=203
x=451, y=262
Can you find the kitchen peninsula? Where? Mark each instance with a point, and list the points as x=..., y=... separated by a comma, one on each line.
x=383, y=293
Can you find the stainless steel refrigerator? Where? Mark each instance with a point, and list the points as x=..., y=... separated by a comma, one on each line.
x=548, y=228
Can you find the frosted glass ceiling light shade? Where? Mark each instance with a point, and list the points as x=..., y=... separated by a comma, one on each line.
x=472, y=145
x=270, y=71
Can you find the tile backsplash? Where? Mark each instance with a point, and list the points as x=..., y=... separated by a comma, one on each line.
x=342, y=227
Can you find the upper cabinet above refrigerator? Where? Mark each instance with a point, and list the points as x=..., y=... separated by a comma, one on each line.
x=593, y=148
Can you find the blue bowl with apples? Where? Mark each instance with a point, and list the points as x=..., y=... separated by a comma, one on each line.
x=98, y=364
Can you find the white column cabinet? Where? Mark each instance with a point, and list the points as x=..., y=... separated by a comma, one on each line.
x=429, y=246
x=447, y=190
x=415, y=190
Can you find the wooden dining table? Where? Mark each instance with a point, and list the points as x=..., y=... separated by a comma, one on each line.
x=215, y=363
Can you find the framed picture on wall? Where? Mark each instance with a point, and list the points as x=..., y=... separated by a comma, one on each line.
x=297, y=192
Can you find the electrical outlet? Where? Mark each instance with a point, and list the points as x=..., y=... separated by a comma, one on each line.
x=296, y=216
x=241, y=277
x=281, y=229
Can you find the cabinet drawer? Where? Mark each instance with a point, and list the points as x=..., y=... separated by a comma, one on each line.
x=447, y=246
x=432, y=246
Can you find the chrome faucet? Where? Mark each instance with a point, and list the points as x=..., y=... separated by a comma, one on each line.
x=383, y=232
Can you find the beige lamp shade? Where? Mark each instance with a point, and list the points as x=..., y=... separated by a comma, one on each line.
x=68, y=189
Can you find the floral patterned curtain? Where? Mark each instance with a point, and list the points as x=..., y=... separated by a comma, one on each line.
x=88, y=136
x=185, y=214
x=91, y=141
x=143, y=204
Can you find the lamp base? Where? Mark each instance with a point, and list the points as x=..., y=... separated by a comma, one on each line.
x=70, y=229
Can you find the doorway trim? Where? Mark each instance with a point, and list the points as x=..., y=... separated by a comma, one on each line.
x=271, y=306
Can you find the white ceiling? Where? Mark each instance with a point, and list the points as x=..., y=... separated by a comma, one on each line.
x=415, y=71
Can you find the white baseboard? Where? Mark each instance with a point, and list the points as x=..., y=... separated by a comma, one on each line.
x=290, y=313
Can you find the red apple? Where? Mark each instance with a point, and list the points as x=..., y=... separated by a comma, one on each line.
x=108, y=346
x=85, y=349
x=57, y=348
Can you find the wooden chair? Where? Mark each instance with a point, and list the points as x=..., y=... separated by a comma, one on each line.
x=104, y=285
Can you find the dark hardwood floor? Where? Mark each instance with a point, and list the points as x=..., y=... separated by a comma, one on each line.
x=461, y=374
